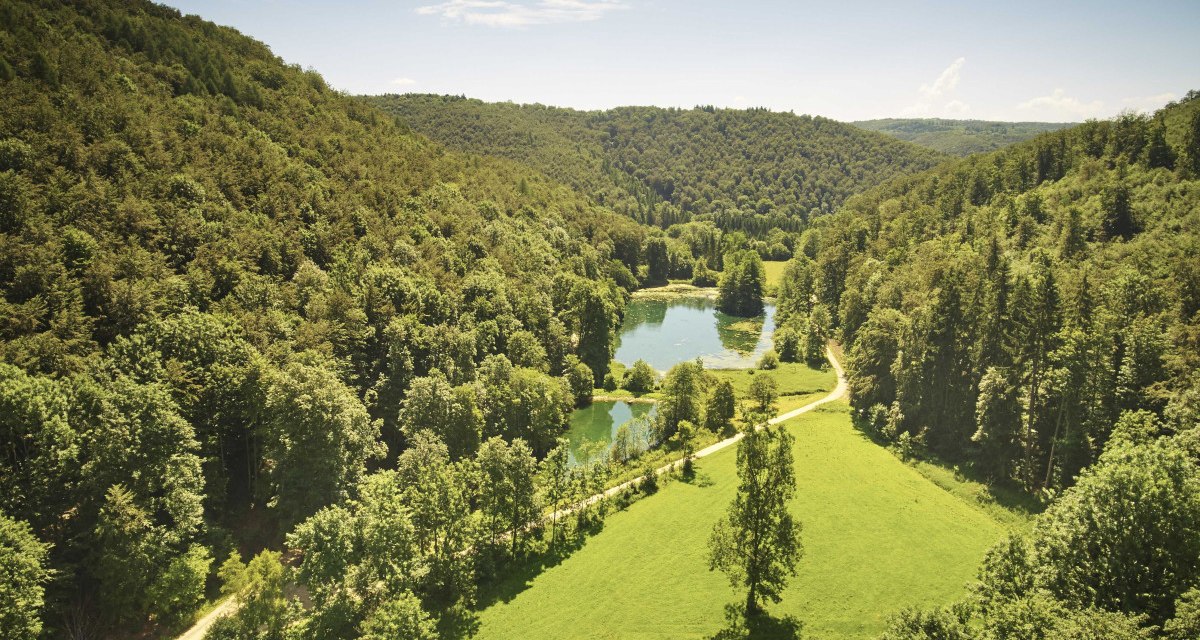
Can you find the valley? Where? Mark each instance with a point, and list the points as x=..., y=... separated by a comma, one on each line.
x=343, y=351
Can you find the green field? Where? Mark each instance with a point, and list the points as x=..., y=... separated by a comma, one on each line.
x=774, y=271
x=798, y=384
x=878, y=536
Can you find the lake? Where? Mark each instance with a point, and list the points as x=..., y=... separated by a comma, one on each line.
x=599, y=421
x=667, y=332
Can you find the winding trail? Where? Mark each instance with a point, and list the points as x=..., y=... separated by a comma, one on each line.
x=229, y=605
x=838, y=392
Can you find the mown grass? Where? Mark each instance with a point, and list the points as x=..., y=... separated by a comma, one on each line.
x=773, y=269
x=878, y=536
x=798, y=384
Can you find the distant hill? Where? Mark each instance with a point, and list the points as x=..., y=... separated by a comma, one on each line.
x=960, y=137
x=751, y=170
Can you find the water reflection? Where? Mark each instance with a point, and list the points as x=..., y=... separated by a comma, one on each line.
x=667, y=332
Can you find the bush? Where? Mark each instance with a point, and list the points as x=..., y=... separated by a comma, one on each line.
x=769, y=360
x=649, y=480
x=641, y=378
x=788, y=344
x=610, y=382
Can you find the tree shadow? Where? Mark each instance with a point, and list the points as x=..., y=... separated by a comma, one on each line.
x=1006, y=494
x=505, y=578
x=760, y=626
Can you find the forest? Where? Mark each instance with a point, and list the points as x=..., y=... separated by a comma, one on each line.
x=749, y=170
x=266, y=343
x=960, y=137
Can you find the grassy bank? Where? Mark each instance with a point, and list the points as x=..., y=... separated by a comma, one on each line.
x=879, y=536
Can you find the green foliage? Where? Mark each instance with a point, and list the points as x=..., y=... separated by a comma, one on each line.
x=994, y=304
x=769, y=360
x=450, y=413
x=640, y=378
x=264, y=611
x=720, y=407
x=400, y=617
x=763, y=394
x=319, y=439
x=960, y=137
x=682, y=397
x=741, y=287
x=749, y=170
x=757, y=544
x=23, y=576
x=581, y=381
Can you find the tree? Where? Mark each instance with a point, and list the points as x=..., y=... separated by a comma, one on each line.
x=399, y=617
x=594, y=320
x=431, y=404
x=1117, y=211
x=438, y=496
x=580, y=380
x=23, y=576
x=814, y=337
x=657, y=264
x=720, y=408
x=787, y=343
x=998, y=423
x=641, y=378
x=318, y=439
x=507, y=497
x=681, y=397
x=757, y=543
x=263, y=611
x=741, y=288
x=556, y=481
x=1126, y=537
x=869, y=365
x=763, y=393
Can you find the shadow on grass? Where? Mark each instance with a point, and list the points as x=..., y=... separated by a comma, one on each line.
x=760, y=626
x=503, y=579
x=1005, y=494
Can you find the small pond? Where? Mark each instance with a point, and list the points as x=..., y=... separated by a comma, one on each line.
x=667, y=332
x=598, y=422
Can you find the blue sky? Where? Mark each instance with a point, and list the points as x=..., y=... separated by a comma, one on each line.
x=1006, y=60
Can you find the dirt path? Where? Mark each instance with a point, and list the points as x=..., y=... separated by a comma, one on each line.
x=226, y=607
x=838, y=392
x=229, y=605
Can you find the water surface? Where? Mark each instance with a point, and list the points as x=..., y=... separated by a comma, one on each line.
x=667, y=332
x=598, y=422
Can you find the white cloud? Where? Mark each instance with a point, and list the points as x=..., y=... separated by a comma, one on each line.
x=501, y=13
x=403, y=82
x=1059, y=103
x=946, y=82
x=1148, y=104
x=938, y=99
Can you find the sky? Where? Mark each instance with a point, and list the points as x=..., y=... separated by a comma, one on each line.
x=1048, y=60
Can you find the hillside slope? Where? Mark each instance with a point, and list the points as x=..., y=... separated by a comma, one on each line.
x=218, y=280
x=960, y=137
x=749, y=170
x=1008, y=309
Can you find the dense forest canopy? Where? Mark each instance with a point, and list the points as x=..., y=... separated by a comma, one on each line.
x=749, y=170
x=960, y=137
x=242, y=314
x=220, y=281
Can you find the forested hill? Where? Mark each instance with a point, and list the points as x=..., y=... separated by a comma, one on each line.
x=220, y=279
x=1007, y=310
x=1032, y=316
x=960, y=137
x=749, y=170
